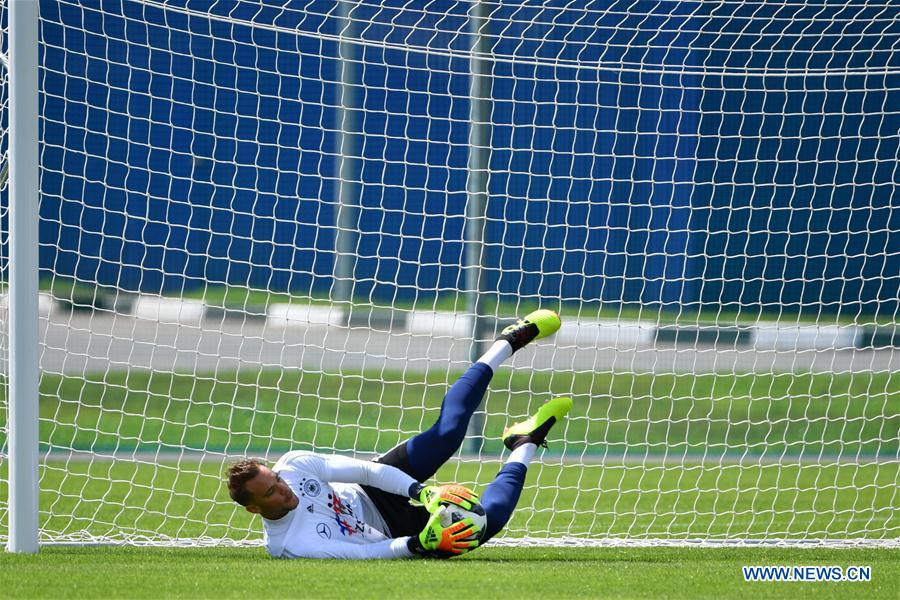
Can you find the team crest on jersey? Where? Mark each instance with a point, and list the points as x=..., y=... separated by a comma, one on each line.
x=311, y=487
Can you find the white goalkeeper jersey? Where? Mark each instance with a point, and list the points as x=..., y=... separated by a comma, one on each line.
x=335, y=517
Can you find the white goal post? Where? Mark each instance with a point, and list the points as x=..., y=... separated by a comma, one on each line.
x=237, y=228
x=21, y=431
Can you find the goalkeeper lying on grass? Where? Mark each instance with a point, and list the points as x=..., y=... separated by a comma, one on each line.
x=318, y=506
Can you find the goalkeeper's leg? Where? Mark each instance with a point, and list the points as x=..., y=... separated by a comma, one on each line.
x=501, y=495
x=426, y=452
x=421, y=456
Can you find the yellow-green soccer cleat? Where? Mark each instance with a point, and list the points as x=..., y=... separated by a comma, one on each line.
x=535, y=429
x=536, y=325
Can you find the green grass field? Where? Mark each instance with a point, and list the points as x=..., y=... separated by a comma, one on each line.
x=114, y=572
x=659, y=458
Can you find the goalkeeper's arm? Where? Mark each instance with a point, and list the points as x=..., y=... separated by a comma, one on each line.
x=342, y=469
x=435, y=541
x=385, y=549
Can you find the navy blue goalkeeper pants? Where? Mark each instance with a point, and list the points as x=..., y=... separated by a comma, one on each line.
x=421, y=457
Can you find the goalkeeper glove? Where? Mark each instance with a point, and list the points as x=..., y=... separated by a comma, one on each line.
x=433, y=496
x=439, y=541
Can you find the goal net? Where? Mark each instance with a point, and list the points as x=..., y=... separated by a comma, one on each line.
x=268, y=226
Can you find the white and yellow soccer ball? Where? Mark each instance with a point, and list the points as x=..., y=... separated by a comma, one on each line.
x=450, y=514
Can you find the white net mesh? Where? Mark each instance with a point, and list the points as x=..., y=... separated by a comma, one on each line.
x=707, y=191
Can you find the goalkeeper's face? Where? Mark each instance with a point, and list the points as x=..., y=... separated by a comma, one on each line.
x=272, y=497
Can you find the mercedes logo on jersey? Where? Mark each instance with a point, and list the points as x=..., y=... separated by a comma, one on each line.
x=324, y=531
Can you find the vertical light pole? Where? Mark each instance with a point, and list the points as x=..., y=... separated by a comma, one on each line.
x=477, y=187
x=23, y=276
x=346, y=187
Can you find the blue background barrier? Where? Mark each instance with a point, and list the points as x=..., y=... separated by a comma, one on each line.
x=183, y=151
